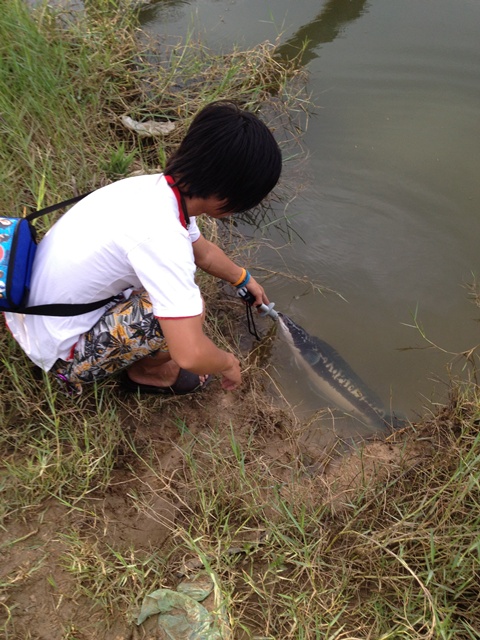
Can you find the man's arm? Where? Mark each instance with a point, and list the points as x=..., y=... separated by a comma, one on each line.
x=192, y=350
x=210, y=258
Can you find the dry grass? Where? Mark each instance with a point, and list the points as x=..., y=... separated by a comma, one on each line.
x=400, y=559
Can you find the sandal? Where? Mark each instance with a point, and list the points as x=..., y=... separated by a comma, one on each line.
x=186, y=382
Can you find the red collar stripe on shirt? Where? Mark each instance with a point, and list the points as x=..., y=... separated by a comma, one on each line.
x=183, y=214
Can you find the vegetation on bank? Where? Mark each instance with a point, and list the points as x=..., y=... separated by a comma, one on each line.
x=68, y=80
x=392, y=551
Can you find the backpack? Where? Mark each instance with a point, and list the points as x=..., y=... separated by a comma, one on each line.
x=18, y=244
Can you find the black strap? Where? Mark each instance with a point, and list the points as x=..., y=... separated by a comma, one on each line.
x=64, y=310
x=53, y=207
x=252, y=329
x=61, y=310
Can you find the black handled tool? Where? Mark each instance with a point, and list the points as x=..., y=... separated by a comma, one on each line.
x=264, y=309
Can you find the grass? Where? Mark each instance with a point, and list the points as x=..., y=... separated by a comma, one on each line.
x=66, y=83
x=107, y=498
x=399, y=560
x=55, y=85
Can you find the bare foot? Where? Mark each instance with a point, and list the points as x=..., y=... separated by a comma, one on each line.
x=155, y=373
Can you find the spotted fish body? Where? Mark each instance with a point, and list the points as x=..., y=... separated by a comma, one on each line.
x=332, y=376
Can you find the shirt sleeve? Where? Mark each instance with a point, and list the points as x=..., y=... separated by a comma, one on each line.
x=167, y=271
x=193, y=230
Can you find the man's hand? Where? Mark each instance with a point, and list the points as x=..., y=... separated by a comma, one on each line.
x=258, y=291
x=192, y=350
x=231, y=376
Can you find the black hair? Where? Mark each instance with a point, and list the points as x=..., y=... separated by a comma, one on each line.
x=228, y=153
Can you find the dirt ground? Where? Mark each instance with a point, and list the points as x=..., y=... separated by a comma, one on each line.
x=45, y=601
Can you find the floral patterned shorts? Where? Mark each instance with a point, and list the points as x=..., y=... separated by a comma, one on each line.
x=127, y=331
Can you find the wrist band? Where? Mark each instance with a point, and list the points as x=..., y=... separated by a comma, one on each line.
x=241, y=279
x=245, y=281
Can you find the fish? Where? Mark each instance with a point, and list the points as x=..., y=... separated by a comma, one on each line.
x=333, y=377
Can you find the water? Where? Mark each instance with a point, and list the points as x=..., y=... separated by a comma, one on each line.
x=389, y=214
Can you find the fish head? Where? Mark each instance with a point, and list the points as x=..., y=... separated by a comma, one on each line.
x=295, y=335
x=291, y=331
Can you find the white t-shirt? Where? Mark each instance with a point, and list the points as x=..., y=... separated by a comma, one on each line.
x=127, y=234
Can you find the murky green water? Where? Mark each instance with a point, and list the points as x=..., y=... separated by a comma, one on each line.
x=390, y=212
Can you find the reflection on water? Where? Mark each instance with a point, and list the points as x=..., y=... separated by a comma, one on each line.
x=324, y=28
x=388, y=212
